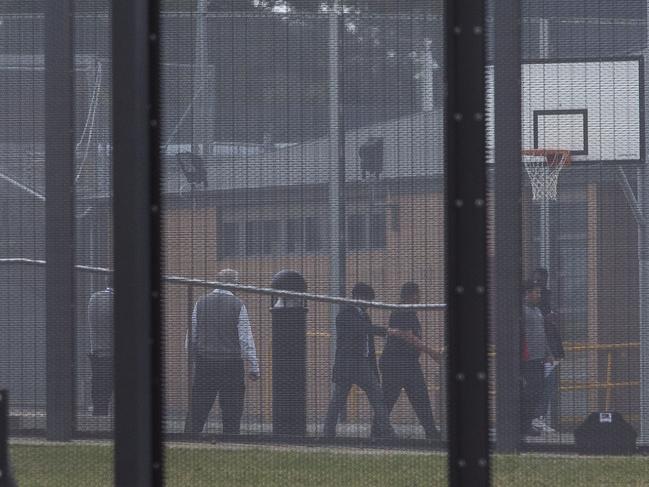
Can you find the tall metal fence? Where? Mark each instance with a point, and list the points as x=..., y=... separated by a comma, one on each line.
x=313, y=138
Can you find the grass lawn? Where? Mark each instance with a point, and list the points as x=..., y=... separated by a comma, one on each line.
x=90, y=466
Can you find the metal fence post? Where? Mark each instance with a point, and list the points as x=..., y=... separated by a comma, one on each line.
x=6, y=476
x=59, y=220
x=136, y=227
x=466, y=244
x=507, y=267
x=4, y=438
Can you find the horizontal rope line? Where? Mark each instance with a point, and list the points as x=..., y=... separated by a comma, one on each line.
x=241, y=287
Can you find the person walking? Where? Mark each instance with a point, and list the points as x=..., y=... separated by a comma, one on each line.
x=399, y=363
x=100, y=321
x=557, y=353
x=534, y=354
x=221, y=340
x=355, y=363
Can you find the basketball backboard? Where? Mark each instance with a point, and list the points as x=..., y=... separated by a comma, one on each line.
x=592, y=108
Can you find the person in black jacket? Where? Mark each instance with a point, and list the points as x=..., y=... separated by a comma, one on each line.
x=355, y=363
x=400, y=368
x=555, y=345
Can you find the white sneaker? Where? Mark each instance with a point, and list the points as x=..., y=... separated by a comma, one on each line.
x=540, y=424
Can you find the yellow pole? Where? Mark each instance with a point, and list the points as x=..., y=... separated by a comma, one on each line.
x=609, y=385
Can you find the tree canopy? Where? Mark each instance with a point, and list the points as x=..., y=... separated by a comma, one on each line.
x=277, y=6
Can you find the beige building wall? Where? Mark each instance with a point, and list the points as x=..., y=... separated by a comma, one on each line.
x=414, y=251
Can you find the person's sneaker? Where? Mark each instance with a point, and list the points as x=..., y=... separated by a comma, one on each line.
x=388, y=434
x=532, y=431
x=540, y=424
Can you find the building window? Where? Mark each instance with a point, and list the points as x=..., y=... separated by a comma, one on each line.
x=270, y=237
x=303, y=234
x=311, y=232
x=262, y=237
x=568, y=264
x=570, y=286
x=356, y=231
x=377, y=230
x=227, y=240
x=294, y=235
x=366, y=231
x=253, y=237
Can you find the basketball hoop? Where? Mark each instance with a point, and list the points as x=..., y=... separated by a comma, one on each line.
x=543, y=167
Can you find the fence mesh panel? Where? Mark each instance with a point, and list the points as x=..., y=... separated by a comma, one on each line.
x=309, y=136
x=582, y=341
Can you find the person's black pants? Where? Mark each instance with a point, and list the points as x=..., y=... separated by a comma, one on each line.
x=531, y=393
x=367, y=379
x=224, y=378
x=101, y=384
x=409, y=377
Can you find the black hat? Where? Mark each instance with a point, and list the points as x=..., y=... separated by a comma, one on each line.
x=363, y=291
x=530, y=284
x=409, y=289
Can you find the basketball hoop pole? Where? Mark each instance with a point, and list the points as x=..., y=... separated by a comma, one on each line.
x=643, y=301
x=544, y=207
x=544, y=230
x=200, y=96
x=643, y=276
x=640, y=208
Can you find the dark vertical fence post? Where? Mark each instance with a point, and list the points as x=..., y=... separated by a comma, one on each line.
x=136, y=211
x=466, y=244
x=4, y=438
x=6, y=475
x=189, y=338
x=508, y=234
x=59, y=220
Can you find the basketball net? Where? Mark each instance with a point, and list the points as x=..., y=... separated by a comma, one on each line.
x=543, y=167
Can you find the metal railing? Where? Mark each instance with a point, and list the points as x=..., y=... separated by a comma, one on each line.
x=245, y=288
x=608, y=384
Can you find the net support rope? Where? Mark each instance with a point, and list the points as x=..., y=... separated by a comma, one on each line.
x=241, y=287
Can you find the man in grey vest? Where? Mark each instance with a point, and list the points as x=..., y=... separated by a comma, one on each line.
x=221, y=339
x=100, y=321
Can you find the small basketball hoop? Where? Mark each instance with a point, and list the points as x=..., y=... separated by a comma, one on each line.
x=543, y=167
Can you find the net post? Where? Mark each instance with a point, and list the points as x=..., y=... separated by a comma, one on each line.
x=136, y=229
x=59, y=221
x=4, y=438
x=466, y=245
x=507, y=269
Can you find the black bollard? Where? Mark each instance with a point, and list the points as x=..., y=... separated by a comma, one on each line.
x=289, y=356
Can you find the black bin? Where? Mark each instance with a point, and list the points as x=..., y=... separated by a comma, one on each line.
x=289, y=355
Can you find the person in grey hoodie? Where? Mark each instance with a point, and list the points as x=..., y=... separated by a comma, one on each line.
x=100, y=320
x=534, y=354
x=221, y=340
